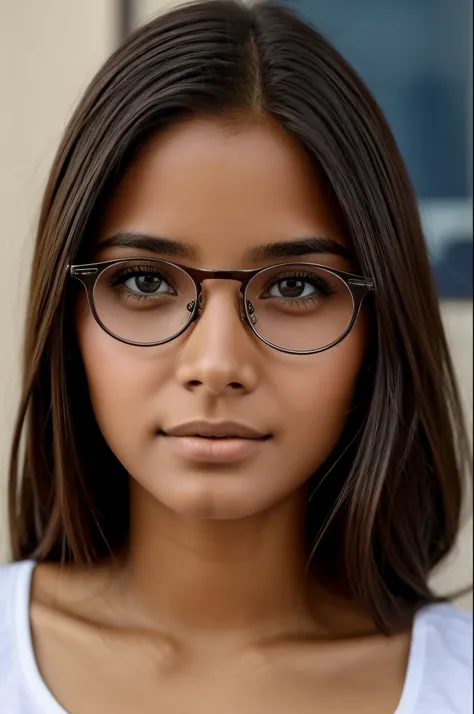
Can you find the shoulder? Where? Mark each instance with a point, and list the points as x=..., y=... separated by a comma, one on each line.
x=32, y=593
x=444, y=650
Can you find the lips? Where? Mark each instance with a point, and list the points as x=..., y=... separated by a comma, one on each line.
x=216, y=430
x=214, y=442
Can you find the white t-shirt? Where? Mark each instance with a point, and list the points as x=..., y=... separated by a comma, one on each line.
x=438, y=680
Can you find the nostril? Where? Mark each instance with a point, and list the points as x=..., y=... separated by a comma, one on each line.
x=197, y=382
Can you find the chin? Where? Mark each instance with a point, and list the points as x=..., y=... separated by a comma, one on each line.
x=212, y=497
x=213, y=506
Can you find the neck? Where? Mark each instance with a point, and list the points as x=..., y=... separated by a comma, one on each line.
x=241, y=578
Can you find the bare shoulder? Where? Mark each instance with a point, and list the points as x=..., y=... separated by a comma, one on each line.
x=69, y=590
x=53, y=582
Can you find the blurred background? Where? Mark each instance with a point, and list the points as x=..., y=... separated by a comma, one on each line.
x=415, y=55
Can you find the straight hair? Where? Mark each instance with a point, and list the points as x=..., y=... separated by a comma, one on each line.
x=385, y=508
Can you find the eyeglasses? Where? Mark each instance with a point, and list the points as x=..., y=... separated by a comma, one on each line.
x=300, y=308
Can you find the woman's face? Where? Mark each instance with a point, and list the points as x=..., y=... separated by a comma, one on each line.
x=223, y=191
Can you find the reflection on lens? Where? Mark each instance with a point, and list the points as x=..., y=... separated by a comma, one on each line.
x=300, y=307
x=144, y=301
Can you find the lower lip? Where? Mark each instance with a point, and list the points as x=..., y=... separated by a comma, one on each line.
x=217, y=451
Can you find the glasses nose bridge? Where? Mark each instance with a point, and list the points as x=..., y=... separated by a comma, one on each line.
x=242, y=277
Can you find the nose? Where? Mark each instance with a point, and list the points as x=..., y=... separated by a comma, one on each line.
x=217, y=354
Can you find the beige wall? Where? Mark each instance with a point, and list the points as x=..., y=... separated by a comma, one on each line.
x=49, y=49
x=457, y=570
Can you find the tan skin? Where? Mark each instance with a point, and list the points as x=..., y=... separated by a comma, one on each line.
x=210, y=611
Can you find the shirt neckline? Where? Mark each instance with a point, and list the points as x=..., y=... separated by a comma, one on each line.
x=416, y=665
x=26, y=655
x=50, y=705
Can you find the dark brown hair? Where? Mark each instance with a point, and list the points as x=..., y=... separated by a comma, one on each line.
x=385, y=508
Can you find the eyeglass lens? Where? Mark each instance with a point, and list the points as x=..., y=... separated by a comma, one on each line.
x=295, y=307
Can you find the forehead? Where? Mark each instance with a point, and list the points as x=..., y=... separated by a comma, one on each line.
x=222, y=188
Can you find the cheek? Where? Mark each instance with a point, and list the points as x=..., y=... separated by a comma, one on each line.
x=121, y=381
x=318, y=397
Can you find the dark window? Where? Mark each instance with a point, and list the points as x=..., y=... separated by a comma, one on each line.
x=416, y=57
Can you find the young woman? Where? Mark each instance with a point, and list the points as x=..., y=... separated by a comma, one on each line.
x=240, y=451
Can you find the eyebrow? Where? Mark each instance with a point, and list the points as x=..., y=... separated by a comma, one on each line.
x=154, y=244
x=299, y=247
x=266, y=251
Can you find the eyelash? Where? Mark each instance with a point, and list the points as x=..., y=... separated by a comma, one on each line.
x=319, y=284
x=138, y=270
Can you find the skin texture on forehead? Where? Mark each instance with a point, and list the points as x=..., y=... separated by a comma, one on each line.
x=223, y=192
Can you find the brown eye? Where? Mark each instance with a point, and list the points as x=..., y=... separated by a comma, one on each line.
x=291, y=288
x=146, y=283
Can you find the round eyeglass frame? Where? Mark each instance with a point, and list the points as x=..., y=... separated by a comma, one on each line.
x=89, y=273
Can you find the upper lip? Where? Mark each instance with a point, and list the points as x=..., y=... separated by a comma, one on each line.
x=217, y=429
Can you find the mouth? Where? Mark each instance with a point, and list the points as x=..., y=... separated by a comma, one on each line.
x=214, y=443
x=216, y=430
x=214, y=438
